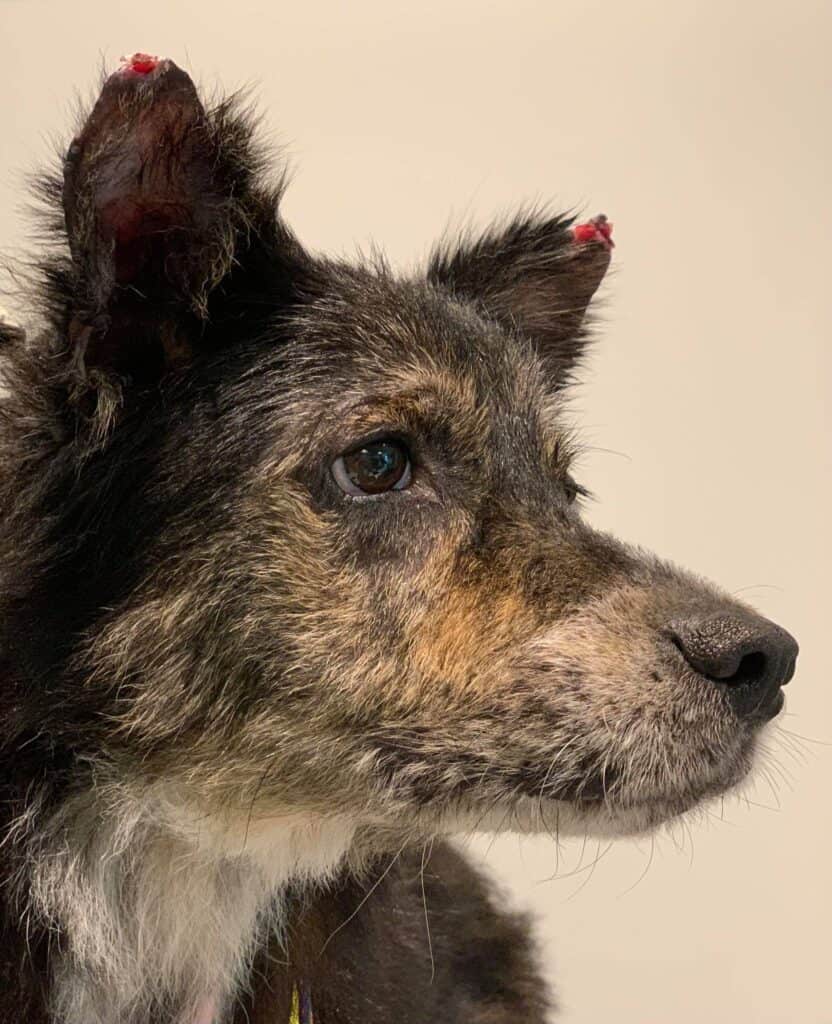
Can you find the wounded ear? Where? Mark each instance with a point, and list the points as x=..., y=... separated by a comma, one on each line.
x=536, y=275
x=160, y=209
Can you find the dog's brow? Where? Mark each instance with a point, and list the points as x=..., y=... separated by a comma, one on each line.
x=440, y=398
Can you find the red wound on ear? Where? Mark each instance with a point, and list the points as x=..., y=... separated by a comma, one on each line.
x=599, y=229
x=141, y=63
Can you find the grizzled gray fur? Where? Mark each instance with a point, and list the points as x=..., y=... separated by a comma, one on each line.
x=294, y=585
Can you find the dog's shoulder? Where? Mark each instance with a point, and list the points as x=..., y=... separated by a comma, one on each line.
x=429, y=943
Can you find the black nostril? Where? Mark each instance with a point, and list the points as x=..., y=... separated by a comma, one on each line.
x=752, y=667
x=749, y=657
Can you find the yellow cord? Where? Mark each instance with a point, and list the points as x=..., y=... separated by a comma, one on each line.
x=294, y=1013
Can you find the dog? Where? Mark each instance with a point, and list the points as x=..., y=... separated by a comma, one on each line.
x=295, y=585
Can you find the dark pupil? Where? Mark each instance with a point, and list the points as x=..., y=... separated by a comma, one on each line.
x=376, y=467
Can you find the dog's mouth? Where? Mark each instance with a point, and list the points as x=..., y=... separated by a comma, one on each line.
x=626, y=792
x=602, y=809
x=640, y=770
x=661, y=783
x=614, y=799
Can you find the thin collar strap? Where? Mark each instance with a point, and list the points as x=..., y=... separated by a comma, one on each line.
x=301, y=1011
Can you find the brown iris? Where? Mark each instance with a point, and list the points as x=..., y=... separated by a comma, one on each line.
x=374, y=468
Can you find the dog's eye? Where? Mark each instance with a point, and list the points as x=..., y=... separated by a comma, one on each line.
x=374, y=468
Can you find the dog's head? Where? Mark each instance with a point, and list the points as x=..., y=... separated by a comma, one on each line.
x=312, y=530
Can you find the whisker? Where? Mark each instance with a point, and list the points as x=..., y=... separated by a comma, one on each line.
x=511, y=810
x=781, y=772
x=761, y=806
x=579, y=870
x=689, y=831
x=606, y=451
x=643, y=874
x=766, y=774
x=601, y=854
x=368, y=894
x=795, y=749
x=757, y=586
x=804, y=739
x=425, y=907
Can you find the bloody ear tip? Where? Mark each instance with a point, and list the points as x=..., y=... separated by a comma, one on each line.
x=139, y=63
x=598, y=229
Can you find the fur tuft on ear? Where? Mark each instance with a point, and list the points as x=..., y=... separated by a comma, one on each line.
x=535, y=275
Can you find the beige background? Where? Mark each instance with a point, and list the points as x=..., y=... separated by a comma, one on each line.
x=702, y=128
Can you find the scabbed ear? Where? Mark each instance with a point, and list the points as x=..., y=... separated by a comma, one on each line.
x=536, y=275
x=167, y=225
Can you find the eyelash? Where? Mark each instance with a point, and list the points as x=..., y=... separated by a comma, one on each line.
x=575, y=491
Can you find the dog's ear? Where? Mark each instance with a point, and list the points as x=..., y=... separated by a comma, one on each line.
x=536, y=275
x=169, y=228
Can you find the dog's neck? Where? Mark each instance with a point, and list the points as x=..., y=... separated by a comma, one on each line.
x=163, y=906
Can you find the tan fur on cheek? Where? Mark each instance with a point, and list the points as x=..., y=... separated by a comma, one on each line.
x=458, y=641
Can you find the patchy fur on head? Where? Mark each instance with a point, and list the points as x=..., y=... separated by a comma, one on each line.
x=226, y=644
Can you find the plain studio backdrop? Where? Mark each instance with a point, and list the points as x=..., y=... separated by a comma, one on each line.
x=702, y=129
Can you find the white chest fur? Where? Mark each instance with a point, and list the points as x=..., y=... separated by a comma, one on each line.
x=162, y=905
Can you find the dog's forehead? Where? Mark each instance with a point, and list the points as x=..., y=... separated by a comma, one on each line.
x=388, y=334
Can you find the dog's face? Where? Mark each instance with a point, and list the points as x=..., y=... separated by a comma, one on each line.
x=352, y=574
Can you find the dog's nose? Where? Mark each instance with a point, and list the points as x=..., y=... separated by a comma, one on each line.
x=747, y=656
